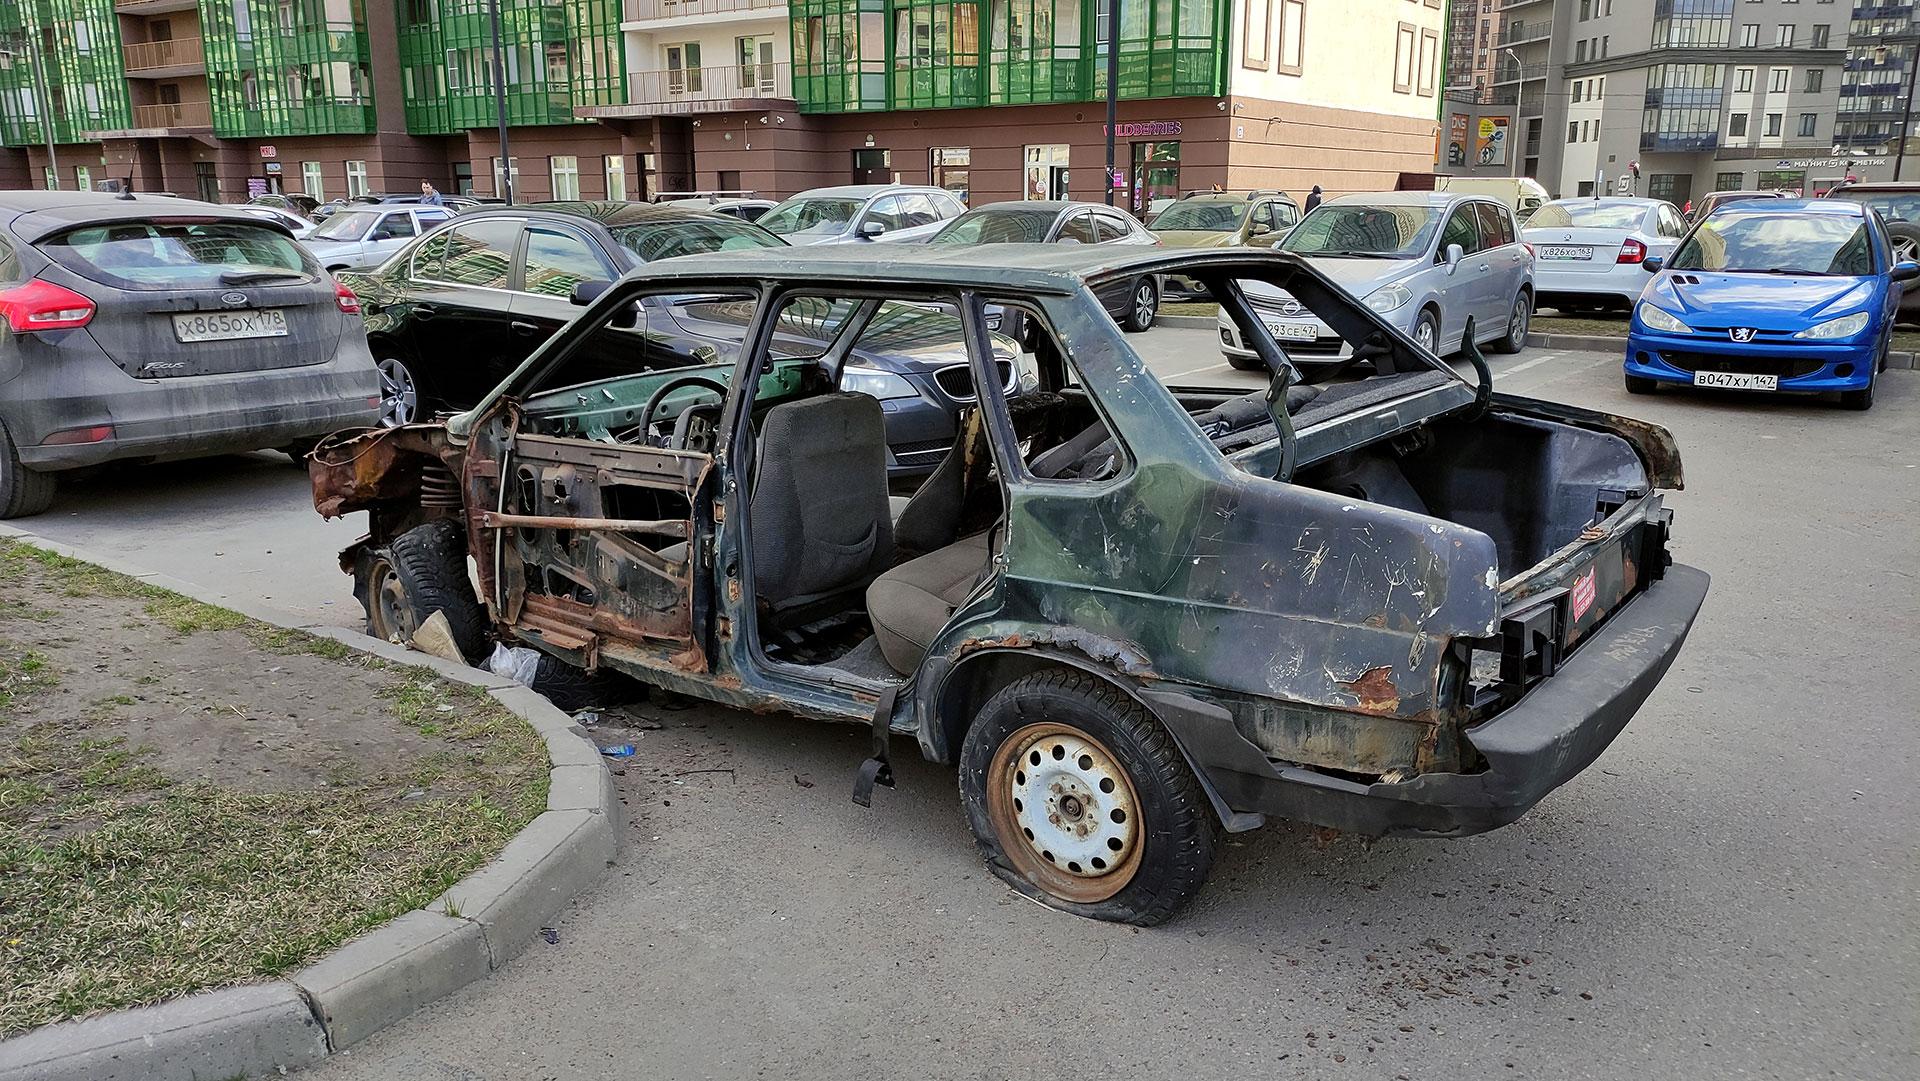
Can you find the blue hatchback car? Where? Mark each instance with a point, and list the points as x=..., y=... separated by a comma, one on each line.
x=1782, y=295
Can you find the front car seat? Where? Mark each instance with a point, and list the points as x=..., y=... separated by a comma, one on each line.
x=819, y=511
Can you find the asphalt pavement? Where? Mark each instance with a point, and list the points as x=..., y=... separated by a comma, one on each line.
x=1729, y=892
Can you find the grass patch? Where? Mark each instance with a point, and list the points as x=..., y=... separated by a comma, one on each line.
x=1205, y=308
x=124, y=881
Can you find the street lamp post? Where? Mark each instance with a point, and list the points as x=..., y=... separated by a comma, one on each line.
x=1113, y=88
x=1514, y=123
x=37, y=63
x=500, y=105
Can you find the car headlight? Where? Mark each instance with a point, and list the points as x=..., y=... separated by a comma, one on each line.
x=875, y=383
x=1389, y=298
x=1844, y=327
x=1662, y=320
x=993, y=320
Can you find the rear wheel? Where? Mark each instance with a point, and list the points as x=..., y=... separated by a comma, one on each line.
x=399, y=393
x=1143, y=306
x=1637, y=384
x=1079, y=799
x=1245, y=364
x=422, y=572
x=23, y=491
x=1518, y=320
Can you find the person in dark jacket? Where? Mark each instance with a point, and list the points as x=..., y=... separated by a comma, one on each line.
x=1313, y=200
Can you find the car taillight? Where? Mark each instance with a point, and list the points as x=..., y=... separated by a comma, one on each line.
x=1531, y=254
x=344, y=297
x=1632, y=251
x=42, y=305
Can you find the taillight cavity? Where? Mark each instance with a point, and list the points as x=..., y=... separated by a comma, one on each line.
x=344, y=297
x=1632, y=251
x=42, y=305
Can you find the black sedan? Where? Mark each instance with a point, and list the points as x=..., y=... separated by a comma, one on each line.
x=1133, y=302
x=449, y=316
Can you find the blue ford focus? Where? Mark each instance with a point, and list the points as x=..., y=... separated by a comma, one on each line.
x=1781, y=295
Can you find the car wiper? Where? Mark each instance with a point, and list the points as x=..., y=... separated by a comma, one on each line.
x=1353, y=254
x=1791, y=270
x=255, y=277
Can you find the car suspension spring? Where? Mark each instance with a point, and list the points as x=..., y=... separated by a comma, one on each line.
x=438, y=488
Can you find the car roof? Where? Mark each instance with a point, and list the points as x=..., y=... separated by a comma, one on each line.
x=1435, y=199
x=1832, y=207
x=1055, y=206
x=38, y=214
x=861, y=191
x=1877, y=185
x=1040, y=268
x=1757, y=193
x=607, y=213
x=1607, y=200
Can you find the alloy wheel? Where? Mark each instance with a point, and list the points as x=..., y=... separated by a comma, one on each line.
x=1066, y=812
x=399, y=394
x=1426, y=335
x=1144, y=306
x=1517, y=325
x=1905, y=249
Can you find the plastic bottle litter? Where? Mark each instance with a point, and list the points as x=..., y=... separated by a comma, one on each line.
x=517, y=663
x=621, y=750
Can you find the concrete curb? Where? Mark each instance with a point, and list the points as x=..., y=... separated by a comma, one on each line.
x=1186, y=322
x=384, y=975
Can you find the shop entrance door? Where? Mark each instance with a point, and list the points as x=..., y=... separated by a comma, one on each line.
x=1047, y=171
x=873, y=165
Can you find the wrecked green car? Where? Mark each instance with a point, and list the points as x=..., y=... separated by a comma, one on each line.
x=1133, y=616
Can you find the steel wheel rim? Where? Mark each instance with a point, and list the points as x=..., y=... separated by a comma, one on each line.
x=1517, y=326
x=1070, y=821
x=1143, y=304
x=399, y=396
x=392, y=615
x=1424, y=335
x=1906, y=248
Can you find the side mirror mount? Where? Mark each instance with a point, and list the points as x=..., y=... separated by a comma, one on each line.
x=1904, y=271
x=1454, y=254
x=586, y=292
x=1652, y=264
x=871, y=229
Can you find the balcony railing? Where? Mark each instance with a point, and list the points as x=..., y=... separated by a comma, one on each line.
x=179, y=52
x=180, y=114
x=1515, y=33
x=152, y=7
x=717, y=83
x=1514, y=73
x=647, y=10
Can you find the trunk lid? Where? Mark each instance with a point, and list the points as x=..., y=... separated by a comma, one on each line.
x=187, y=297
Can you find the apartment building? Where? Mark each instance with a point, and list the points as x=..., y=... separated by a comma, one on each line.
x=1473, y=48
x=997, y=99
x=1676, y=98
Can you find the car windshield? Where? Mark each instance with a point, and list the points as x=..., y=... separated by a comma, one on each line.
x=346, y=225
x=1890, y=205
x=157, y=255
x=1355, y=229
x=1788, y=242
x=992, y=225
x=1203, y=216
x=818, y=216
x=1587, y=214
x=664, y=240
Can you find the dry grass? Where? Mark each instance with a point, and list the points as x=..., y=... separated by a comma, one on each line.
x=122, y=885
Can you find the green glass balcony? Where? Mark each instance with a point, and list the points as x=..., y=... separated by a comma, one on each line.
x=559, y=55
x=272, y=72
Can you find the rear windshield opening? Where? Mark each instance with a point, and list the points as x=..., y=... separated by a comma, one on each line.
x=157, y=255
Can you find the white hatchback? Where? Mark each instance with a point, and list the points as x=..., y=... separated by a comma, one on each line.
x=1587, y=252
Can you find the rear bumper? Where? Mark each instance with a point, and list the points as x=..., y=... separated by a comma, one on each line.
x=1539, y=743
x=1620, y=282
x=1673, y=359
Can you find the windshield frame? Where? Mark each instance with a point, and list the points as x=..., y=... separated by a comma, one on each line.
x=798, y=202
x=369, y=218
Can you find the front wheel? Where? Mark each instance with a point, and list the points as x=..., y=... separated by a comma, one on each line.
x=1143, y=307
x=1518, y=320
x=1639, y=384
x=1858, y=399
x=1426, y=332
x=1079, y=799
x=422, y=572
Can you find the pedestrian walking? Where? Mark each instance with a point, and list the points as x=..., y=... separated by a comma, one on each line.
x=1313, y=199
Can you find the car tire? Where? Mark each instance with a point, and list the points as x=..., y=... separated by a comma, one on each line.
x=399, y=392
x=1861, y=399
x=423, y=571
x=1519, y=319
x=1430, y=320
x=1640, y=384
x=23, y=491
x=571, y=688
x=1110, y=785
x=1143, y=306
x=1245, y=364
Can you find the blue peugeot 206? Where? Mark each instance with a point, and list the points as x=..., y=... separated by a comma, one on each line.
x=1780, y=295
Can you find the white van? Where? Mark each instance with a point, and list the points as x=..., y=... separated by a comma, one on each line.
x=1523, y=194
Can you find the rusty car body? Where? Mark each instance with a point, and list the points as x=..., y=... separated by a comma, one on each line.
x=1397, y=604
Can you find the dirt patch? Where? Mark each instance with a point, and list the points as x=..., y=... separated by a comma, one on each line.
x=190, y=799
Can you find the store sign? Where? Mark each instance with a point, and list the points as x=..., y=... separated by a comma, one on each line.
x=273, y=168
x=1826, y=163
x=1491, y=147
x=1457, y=139
x=269, y=151
x=256, y=185
x=1144, y=129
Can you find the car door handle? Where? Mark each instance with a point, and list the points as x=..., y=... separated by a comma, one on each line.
x=1486, y=266
x=425, y=311
x=521, y=326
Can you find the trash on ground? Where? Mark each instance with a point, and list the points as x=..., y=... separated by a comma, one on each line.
x=517, y=663
x=588, y=717
x=621, y=750
x=551, y=936
x=435, y=637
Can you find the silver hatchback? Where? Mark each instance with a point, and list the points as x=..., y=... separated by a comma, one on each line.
x=1427, y=262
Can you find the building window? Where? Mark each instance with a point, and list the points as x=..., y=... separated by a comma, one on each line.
x=1257, y=35
x=1815, y=78
x=1578, y=86
x=1777, y=80
x=947, y=168
x=1780, y=180
x=1808, y=122
x=565, y=171
x=616, y=167
x=1773, y=123
x=1743, y=80
x=1573, y=132
x=1728, y=181
x=82, y=178
x=1046, y=174
x=1406, y=45
x=1290, y=56
x=1820, y=36
x=1673, y=187
x=683, y=68
x=356, y=178
x=1737, y=125
x=1429, y=62
x=1580, y=51
x=312, y=180
x=1785, y=38
x=1750, y=35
